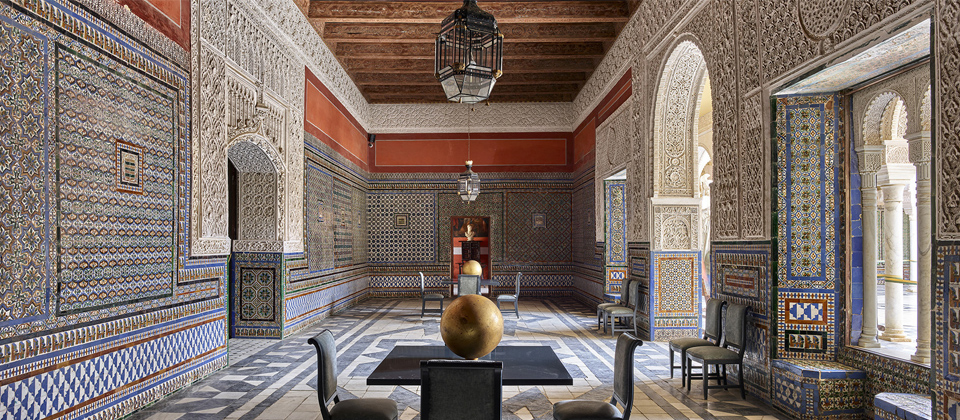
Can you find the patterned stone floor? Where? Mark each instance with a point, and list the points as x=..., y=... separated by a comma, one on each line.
x=277, y=379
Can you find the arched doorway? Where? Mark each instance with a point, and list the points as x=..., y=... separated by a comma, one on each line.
x=682, y=173
x=254, y=188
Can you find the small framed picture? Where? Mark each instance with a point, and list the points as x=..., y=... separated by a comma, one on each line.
x=129, y=167
x=401, y=221
x=539, y=221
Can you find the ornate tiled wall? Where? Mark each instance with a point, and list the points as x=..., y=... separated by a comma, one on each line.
x=741, y=275
x=808, y=218
x=946, y=325
x=588, y=271
x=886, y=374
x=332, y=273
x=855, y=233
x=675, y=294
x=96, y=277
x=817, y=389
x=538, y=226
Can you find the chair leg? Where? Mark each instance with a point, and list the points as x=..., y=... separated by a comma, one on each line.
x=423, y=307
x=683, y=368
x=706, y=382
x=516, y=308
x=689, y=372
x=671, y=365
x=743, y=387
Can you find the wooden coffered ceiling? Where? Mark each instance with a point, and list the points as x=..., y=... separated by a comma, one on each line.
x=551, y=47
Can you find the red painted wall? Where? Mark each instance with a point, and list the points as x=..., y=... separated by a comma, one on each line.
x=327, y=119
x=170, y=17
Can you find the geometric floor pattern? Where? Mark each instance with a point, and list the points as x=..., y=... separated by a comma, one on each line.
x=277, y=379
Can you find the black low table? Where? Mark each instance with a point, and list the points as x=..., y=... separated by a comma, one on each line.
x=522, y=365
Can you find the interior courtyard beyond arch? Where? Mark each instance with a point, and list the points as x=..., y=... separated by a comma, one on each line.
x=190, y=189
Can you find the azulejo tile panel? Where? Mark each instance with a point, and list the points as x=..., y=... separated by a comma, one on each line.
x=806, y=323
x=742, y=274
x=24, y=186
x=675, y=286
x=256, y=294
x=529, y=242
x=130, y=260
x=809, y=389
x=886, y=374
x=415, y=239
x=616, y=215
x=321, y=220
x=807, y=173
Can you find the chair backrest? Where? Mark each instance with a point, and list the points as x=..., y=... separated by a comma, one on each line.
x=735, y=327
x=626, y=293
x=714, y=315
x=517, y=284
x=623, y=372
x=326, y=366
x=422, y=284
x=468, y=284
x=461, y=389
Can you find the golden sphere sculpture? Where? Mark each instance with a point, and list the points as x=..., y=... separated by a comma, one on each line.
x=472, y=267
x=471, y=326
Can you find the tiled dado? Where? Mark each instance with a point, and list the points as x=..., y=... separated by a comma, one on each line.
x=112, y=376
x=674, y=295
x=814, y=389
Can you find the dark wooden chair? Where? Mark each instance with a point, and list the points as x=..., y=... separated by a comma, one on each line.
x=461, y=389
x=711, y=337
x=428, y=297
x=603, y=306
x=626, y=313
x=513, y=299
x=361, y=408
x=734, y=335
x=622, y=389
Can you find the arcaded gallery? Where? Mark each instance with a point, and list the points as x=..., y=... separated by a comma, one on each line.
x=479, y=209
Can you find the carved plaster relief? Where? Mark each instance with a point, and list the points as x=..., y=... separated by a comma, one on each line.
x=676, y=227
x=495, y=117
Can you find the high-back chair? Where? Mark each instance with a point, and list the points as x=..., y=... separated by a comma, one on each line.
x=626, y=314
x=622, y=389
x=461, y=389
x=468, y=284
x=428, y=297
x=362, y=408
x=513, y=299
x=711, y=337
x=734, y=335
x=625, y=301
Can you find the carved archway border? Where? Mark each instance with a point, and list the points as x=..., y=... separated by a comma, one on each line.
x=266, y=146
x=675, y=103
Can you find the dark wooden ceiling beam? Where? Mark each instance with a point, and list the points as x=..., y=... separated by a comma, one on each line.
x=435, y=89
x=374, y=78
x=495, y=98
x=510, y=49
x=427, y=32
x=412, y=65
x=435, y=11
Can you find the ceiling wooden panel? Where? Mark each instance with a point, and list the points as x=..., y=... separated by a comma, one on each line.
x=550, y=47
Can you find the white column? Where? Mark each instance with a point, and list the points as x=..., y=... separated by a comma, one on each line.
x=893, y=261
x=869, y=157
x=920, y=156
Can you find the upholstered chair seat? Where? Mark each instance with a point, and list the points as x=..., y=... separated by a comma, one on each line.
x=585, y=410
x=365, y=409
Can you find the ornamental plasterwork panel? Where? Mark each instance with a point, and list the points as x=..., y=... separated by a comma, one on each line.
x=638, y=172
x=676, y=227
x=209, y=209
x=495, y=117
x=946, y=92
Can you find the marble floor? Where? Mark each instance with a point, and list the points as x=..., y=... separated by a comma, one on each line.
x=277, y=379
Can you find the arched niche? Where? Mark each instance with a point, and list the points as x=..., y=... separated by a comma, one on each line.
x=256, y=193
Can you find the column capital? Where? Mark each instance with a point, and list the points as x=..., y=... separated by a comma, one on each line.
x=920, y=146
x=870, y=158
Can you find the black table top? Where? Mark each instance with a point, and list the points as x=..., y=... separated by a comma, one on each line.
x=522, y=365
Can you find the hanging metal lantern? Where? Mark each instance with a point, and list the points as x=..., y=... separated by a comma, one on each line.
x=469, y=54
x=468, y=184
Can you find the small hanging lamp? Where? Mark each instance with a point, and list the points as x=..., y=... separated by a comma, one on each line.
x=468, y=184
x=469, y=54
